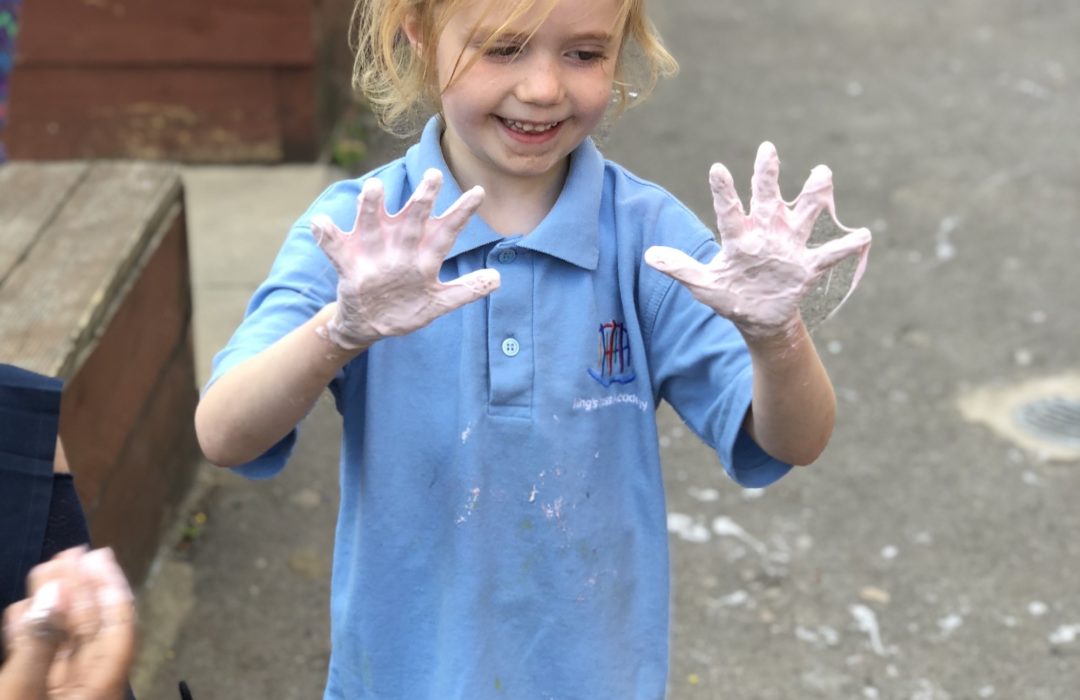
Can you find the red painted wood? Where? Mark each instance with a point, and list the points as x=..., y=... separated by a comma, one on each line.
x=160, y=32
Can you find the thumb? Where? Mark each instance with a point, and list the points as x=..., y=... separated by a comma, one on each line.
x=675, y=263
x=35, y=632
x=469, y=288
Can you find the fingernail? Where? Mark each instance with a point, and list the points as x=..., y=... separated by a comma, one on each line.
x=44, y=602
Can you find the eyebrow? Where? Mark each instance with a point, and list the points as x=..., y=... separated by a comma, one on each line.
x=495, y=35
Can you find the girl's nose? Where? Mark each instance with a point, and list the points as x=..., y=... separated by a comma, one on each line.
x=540, y=82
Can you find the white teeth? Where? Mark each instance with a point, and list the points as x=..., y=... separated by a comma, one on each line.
x=529, y=128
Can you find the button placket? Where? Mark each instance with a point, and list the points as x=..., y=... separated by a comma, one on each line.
x=510, y=323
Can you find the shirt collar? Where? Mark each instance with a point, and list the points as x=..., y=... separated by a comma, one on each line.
x=570, y=231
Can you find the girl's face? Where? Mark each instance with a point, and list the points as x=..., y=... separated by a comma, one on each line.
x=527, y=101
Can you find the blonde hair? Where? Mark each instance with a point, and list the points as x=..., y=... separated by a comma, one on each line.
x=401, y=86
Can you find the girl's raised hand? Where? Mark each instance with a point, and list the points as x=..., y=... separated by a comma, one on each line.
x=764, y=268
x=388, y=266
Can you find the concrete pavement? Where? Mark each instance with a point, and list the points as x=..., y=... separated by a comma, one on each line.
x=931, y=554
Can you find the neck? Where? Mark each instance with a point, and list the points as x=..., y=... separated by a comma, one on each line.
x=512, y=205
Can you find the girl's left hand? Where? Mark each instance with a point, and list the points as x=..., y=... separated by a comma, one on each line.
x=764, y=268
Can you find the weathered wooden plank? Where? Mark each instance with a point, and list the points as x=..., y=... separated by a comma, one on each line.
x=104, y=400
x=148, y=481
x=225, y=115
x=52, y=304
x=153, y=32
x=30, y=196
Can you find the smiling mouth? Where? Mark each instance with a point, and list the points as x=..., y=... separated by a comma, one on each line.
x=528, y=127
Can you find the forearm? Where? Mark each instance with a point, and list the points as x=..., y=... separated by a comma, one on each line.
x=255, y=404
x=794, y=406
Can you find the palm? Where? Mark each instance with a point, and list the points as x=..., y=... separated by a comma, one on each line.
x=764, y=268
x=388, y=265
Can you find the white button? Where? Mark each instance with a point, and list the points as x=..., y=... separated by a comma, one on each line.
x=511, y=347
x=507, y=256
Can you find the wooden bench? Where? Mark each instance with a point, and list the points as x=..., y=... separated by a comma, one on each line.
x=94, y=289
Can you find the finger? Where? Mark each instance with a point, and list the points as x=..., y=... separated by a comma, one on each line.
x=816, y=196
x=453, y=221
x=370, y=212
x=730, y=217
x=677, y=264
x=331, y=239
x=417, y=210
x=112, y=649
x=83, y=615
x=829, y=254
x=765, y=199
x=36, y=630
x=468, y=288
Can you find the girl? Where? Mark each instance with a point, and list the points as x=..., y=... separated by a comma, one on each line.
x=502, y=530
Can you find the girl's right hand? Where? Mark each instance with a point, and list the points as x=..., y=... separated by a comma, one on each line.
x=388, y=266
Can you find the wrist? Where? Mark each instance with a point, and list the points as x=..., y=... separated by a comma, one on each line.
x=775, y=341
x=343, y=336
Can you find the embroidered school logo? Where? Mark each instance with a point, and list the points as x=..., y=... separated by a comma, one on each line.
x=613, y=356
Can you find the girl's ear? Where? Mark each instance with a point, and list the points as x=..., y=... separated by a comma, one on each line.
x=411, y=26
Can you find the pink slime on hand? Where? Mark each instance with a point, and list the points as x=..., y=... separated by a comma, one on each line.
x=764, y=268
x=388, y=266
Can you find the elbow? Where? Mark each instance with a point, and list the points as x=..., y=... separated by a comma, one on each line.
x=810, y=451
x=213, y=439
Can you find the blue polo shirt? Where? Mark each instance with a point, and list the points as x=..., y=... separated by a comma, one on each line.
x=502, y=529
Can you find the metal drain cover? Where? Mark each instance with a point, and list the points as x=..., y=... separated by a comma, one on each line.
x=1041, y=415
x=1054, y=418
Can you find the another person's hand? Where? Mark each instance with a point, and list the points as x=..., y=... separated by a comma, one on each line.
x=74, y=637
x=764, y=268
x=388, y=266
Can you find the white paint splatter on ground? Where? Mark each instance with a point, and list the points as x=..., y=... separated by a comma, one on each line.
x=820, y=636
x=704, y=495
x=1037, y=608
x=945, y=250
x=1066, y=634
x=724, y=526
x=734, y=599
x=867, y=622
x=949, y=623
x=750, y=494
x=889, y=552
x=928, y=690
x=689, y=528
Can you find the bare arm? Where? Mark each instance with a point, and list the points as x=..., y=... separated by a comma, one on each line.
x=794, y=407
x=255, y=404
